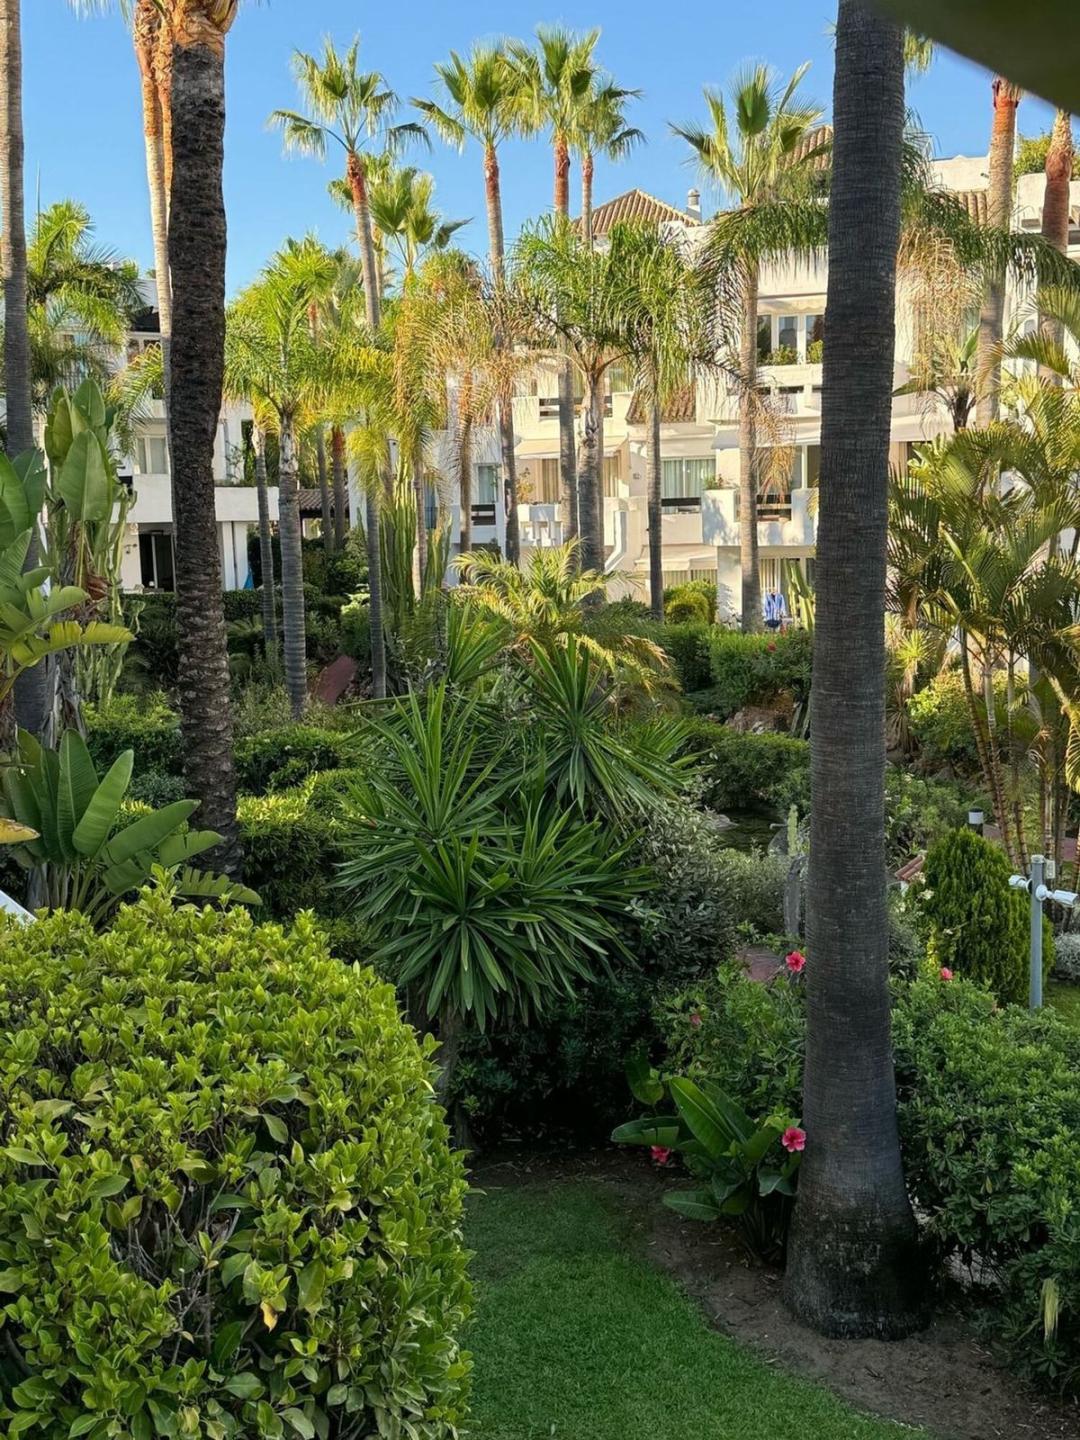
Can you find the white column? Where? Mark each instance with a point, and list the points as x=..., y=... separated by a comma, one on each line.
x=228, y=560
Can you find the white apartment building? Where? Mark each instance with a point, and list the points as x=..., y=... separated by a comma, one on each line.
x=699, y=433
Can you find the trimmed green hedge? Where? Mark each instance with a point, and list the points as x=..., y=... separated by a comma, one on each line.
x=228, y=1205
x=755, y=669
x=146, y=725
x=291, y=852
x=743, y=772
x=280, y=759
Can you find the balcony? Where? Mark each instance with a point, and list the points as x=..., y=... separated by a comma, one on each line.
x=779, y=525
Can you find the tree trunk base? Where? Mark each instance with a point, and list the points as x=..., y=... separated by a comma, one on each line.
x=854, y=1278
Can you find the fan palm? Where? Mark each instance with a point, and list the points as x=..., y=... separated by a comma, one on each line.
x=353, y=110
x=481, y=99
x=403, y=213
x=761, y=156
x=273, y=358
x=600, y=128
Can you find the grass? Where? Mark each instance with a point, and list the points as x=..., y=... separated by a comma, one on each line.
x=577, y=1337
x=1064, y=996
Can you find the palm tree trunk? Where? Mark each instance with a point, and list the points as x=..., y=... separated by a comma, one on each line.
x=653, y=472
x=32, y=690
x=146, y=31
x=341, y=498
x=1055, y=215
x=598, y=422
x=324, y=490
x=592, y=540
x=750, y=602
x=853, y=1262
x=20, y=421
x=266, y=546
x=197, y=265
x=464, y=458
x=999, y=214
x=568, y=469
x=507, y=439
x=369, y=270
x=293, y=623
x=586, y=197
x=419, y=497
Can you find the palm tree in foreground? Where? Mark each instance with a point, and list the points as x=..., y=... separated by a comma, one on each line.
x=763, y=162
x=197, y=266
x=481, y=99
x=853, y=1262
x=353, y=109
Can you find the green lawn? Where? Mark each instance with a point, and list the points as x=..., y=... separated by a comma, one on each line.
x=577, y=1337
x=1065, y=998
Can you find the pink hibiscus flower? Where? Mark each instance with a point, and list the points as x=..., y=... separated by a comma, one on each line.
x=945, y=973
x=795, y=962
x=661, y=1154
x=793, y=1139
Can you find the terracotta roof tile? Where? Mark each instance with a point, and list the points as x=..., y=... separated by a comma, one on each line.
x=679, y=409
x=974, y=202
x=636, y=205
x=819, y=140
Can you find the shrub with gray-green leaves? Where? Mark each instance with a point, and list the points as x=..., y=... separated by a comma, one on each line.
x=228, y=1205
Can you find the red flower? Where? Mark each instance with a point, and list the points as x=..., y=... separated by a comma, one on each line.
x=661, y=1154
x=945, y=972
x=695, y=1020
x=793, y=1139
x=771, y=646
x=795, y=962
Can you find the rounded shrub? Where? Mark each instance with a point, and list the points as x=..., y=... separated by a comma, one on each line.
x=977, y=926
x=280, y=759
x=229, y=1205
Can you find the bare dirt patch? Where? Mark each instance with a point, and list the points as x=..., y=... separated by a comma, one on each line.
x=942, y=1379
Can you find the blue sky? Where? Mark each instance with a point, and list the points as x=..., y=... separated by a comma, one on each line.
x=84, y=135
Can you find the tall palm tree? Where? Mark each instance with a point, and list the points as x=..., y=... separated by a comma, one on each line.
x=403, y=212
x=480, y=98
x=999, y=197
x=1055, y=214
x=266, y=544
x=762, y=161
x=353, y=110
x=19, y=422
x=197, y=240
x=147, y=31
x=853, y=1267
x=557, y=81
x=273, y=357
x=601, y=129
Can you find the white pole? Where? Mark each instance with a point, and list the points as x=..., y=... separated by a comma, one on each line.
x=1038, y=872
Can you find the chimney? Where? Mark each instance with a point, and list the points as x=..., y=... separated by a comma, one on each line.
x=693, y=204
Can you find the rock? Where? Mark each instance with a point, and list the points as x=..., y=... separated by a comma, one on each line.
x=759, y=720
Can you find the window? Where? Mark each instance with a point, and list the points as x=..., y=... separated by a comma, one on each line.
x=612, y=474
x=151, y=455
x=813, y=466
x=487, y=489
x=787, y=333
x=156, y=559
x=431, y=508
x=683, y=479
x=815, y=338
x=764, y=336
x=620, y=378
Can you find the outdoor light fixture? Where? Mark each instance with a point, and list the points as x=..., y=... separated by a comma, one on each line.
x=1041, y=870
x=975, y=821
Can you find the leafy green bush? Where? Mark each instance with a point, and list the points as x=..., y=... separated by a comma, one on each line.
x=990, y=1127
x=280, y=759
x=291, y=852
x=940, y=721
x=145, y=725
x=686, y=645
x=755, y=669
x=694, y=601
x=753, y=882
x=918, y=812
x=976, y=925
x=227, y=1202
x=743, y=772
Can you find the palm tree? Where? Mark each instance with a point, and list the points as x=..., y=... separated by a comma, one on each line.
x=853, y=1263
x=81, y=298
x=353, y=110
x=575, y=297
x=403, y=213
x=147, y=34
x=557, y=81
x=667, y=302
x=999, y=196
x=19, y=421
x=273, y=357
x=197, y=30
x=266, y=544
x=601, y=129
x=1055, y=216
x=762, y=163
x=481, y=99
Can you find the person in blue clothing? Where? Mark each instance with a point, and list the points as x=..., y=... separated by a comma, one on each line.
x=775, y=607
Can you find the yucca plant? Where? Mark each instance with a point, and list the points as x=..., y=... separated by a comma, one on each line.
x=86, y=854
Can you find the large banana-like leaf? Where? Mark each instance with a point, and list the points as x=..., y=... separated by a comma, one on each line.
x=98, y=818
x=30, y=468
x=178, y=849
x=78, y=786
x=148, y=832
x=12, y=833
x=84, y=482
x=65, y=635
x=15, y=514
x=59, y=432
x=1037, y=48
x=203, y=885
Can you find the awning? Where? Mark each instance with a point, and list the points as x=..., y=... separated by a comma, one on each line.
x=549, y=449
